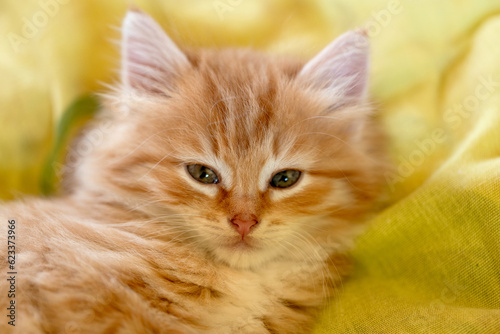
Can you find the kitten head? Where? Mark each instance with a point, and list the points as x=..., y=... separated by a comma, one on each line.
x=242, y=154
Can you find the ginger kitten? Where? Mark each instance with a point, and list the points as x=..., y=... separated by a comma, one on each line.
x=222, y=199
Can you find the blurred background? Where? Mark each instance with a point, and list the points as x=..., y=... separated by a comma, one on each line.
x=429, y=262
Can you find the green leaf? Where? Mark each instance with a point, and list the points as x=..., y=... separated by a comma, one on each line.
x=70, y=124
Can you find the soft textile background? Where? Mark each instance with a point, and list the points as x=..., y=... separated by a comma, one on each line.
x=430, y=262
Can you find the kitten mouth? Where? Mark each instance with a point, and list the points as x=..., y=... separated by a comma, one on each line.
x=242, y=244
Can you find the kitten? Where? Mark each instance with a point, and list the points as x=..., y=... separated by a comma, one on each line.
x=223, y=196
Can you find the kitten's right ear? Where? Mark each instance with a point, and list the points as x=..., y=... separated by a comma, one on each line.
x=150, y=60
x=341, y=69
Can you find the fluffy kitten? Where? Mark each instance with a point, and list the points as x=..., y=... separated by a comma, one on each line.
x=220, y=195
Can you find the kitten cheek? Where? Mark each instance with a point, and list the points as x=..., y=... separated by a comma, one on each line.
x=339, y=195
x=316, y=197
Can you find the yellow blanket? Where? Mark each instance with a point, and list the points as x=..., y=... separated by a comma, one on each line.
x=430, y=262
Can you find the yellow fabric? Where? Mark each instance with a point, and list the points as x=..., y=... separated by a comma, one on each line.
x=430, y=262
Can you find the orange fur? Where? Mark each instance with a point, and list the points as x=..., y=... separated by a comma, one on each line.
x=138, y=246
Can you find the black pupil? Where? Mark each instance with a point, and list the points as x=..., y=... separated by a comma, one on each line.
x=285, y=179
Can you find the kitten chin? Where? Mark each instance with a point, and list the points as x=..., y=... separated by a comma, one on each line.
x=224, y=196
x=244, y=255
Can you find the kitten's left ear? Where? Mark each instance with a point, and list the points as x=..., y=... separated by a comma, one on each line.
x=341, y=69
x=150, y=60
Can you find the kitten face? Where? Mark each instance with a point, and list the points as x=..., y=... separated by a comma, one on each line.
x=234, y=120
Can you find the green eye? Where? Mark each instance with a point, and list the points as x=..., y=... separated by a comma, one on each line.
x=202, y=174
x=285, y=179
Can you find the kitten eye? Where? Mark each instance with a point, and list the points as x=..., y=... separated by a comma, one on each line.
x=285, y=178
x=202, y=174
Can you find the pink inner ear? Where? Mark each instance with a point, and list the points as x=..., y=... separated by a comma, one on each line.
x=150, y=60
x=342, y=67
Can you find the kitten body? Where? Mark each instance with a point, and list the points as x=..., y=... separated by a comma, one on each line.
x=78, y=275
x=138, y=245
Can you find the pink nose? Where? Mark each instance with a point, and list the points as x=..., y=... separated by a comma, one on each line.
x=243, y=224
